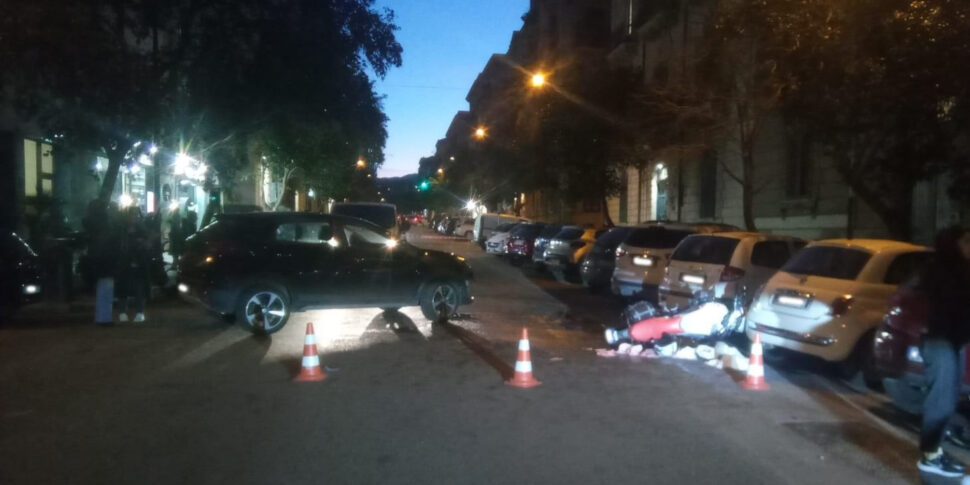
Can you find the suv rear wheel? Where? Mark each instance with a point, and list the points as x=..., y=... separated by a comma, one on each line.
x=263, y=309
x=440, y=300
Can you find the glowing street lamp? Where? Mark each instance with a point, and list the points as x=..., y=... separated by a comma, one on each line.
x=361, y=163
x=441, y=171
x=480, y=133
x=538, y=80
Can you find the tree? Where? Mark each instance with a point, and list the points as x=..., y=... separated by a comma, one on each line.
x=881, y=82
x=217, y=77
x=82, y=72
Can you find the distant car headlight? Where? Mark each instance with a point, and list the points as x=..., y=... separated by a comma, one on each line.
x=913, y=354
x=31, y=289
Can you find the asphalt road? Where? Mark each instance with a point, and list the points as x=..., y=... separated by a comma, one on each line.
x=185, y=398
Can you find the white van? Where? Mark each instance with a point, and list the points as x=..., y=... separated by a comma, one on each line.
x=485, y=225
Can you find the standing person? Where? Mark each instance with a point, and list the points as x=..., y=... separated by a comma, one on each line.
x=947, y=286
x=133, y=261
x=100, y=258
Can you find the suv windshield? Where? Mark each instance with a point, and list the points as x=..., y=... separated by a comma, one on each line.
x=828, y=262
x=382, y=215
x=655, y=237
x=569, y=233
x=706, y=249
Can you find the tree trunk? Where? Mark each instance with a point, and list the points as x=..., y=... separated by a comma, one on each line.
x=895, y=212
x=747, y=189
x=115, y=157
x=606, y=214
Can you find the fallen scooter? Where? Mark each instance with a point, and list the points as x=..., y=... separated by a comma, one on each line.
x=706, y=319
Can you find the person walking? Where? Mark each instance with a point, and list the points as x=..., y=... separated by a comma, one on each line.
x=133, y=262
x=946, y=283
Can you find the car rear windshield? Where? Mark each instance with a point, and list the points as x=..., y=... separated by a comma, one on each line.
x=550, y=231
x=656, y=237
x=706, y=249
x=381, y=215
x=527, y=231
x=614, y=237
x=569, y=233
x=504, y=227
x=828, y=262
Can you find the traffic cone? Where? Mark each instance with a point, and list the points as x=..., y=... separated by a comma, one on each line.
x=310, y=369
x=755, y=380
x=523, y=365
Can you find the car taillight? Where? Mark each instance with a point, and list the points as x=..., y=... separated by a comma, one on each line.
x=841, y=305
x=731, y=273
x=620, y=253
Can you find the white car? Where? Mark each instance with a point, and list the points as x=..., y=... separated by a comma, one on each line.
x=832, y=295
x=465, y=229
x=642, y=258
x=498, y=243
x=732, y=262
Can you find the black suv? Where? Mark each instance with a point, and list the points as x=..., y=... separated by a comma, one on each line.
x=260, y=267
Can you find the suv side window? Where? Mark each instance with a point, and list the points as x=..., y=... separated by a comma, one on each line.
x=905, y=266
x=770, y=254
x=305, y=232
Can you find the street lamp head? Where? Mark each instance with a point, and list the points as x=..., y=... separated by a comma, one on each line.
x=451, y=158
x=361, y=163
x=480, y=132
x=441, y=171
x=538, y=80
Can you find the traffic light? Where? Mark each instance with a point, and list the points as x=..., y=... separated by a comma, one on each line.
x=424, y=185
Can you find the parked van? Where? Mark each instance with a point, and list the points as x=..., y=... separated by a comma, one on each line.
x=485, y=225
x=384, y=215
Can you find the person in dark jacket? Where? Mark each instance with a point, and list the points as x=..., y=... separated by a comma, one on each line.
x=133, y=263
x=947, y=286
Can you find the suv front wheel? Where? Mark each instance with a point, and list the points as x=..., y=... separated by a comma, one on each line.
x=263, y=309
x=440, y=300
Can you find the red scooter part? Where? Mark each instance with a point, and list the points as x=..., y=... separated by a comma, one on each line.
x=654, y=328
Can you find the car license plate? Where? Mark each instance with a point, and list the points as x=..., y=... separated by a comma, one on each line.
x=791, y=301
x=692, y=279
x=642, y=261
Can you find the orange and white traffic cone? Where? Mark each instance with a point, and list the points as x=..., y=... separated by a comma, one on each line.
x=755, y=380
x=523, y=364
x=310, y=370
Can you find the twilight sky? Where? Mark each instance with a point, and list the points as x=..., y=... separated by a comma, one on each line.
x=446, y=44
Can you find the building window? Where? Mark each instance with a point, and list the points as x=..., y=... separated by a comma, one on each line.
x=708, y=185
x=800, y=162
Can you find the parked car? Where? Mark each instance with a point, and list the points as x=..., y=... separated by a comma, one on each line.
x=542, y=242
x=522, y=241
x=828, y=300
x=498, y=243
x=486, y=225
x=567, y=249
x=465, y=229
x=383, y=215
x=262, y=267
x=597, y=266
x=20, y=267
x=723, y=264
x=641, y=260
x=897, y=358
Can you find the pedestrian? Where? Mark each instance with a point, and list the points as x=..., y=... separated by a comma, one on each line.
x=946, y=283
x=99, y=259
x=133, y=264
